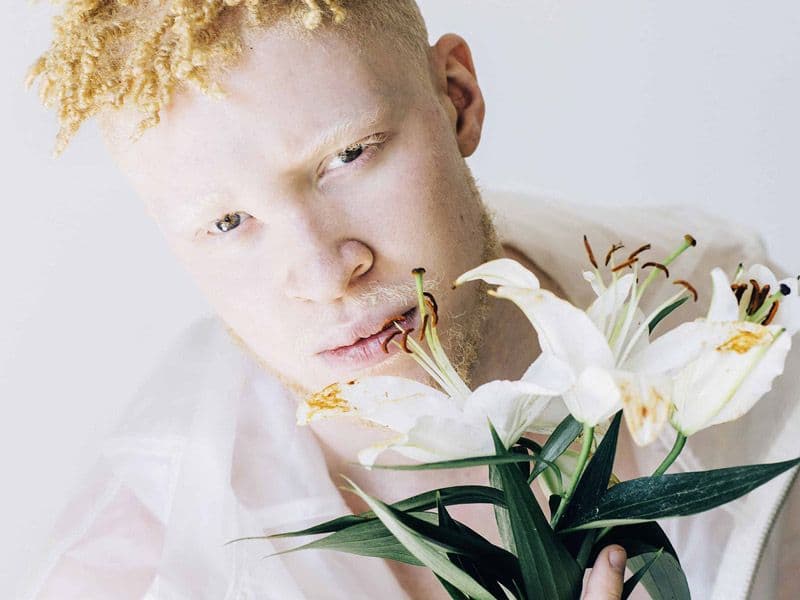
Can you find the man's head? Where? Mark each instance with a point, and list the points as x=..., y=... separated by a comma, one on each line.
x=334, y=165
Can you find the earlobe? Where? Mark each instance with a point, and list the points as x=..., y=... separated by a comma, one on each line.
x=458, y=85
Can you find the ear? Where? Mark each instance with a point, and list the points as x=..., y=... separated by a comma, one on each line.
x=458, y=90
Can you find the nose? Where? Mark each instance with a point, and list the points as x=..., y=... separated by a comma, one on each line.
x=322, y=267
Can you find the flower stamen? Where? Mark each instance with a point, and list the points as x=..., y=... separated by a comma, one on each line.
x=658, y=265
x=614, y=248
x=638, y=251
x=589, y=251
x=385, y=343
x=771, y=314
x=405, y=340
x=738, y=289
x=752, y=305
x=424, y=327
x=688, y=286
x=434, y=307
x=627, y=263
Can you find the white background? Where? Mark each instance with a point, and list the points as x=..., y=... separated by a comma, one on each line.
x=640, y=102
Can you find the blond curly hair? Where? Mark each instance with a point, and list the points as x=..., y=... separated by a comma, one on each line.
x=106, y=54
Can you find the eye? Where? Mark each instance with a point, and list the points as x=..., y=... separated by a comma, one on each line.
x=357, y=153
x=228, y=222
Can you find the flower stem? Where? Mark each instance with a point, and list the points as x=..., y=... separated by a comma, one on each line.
x=680, y=442
x=588, y=436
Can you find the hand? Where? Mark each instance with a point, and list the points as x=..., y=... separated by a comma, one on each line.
x=606, y=578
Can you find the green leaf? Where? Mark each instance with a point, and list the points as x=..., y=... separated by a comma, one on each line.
x=631, y=583
x=429, y=554
x=561, y=439
x=501, y=513
x=457, y=494
x=548, y=571
x=460, y=463
x=663, y=314
x=675, y=495
x=665, y=580
x=370, y=538
x=594, y=482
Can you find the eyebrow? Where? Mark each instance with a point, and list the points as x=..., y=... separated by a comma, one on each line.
x=342, y=129
x=204, y=203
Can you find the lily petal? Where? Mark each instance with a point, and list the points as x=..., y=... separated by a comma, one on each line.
x=551, y=373
x=723, y=306
x=608, y=303
x=671, y=351
x=564, y=330
x=395, y=402
x=501, y=271
x=646, y=402
x=439, y=438
x=788, y=315
x=730, y=376
x=594, y=398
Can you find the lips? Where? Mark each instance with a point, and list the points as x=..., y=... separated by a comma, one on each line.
x=369, y=329
x=366, y=351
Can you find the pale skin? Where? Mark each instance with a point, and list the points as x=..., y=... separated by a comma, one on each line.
x=320, y=234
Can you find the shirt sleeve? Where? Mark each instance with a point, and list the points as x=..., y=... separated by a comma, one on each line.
x=106, y=544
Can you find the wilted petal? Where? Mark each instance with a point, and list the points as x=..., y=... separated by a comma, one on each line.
x=396, y=402
x=607, y=304
x=594, y=398
x=723, y=306
x=646, y=402
x=551, y=373
x=564, y=330
x=729, y=377
x=502, y=271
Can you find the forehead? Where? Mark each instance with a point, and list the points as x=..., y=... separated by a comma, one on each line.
x=281, y=95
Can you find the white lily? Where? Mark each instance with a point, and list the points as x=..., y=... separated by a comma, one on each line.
x=735, y=352
x=588, y=353
x=433, y=424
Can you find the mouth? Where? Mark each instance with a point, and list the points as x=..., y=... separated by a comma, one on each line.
x=370, y=350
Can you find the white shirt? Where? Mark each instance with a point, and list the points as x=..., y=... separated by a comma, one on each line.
x=208, y=451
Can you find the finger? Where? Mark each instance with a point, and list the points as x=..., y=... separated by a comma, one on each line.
x=607, y=575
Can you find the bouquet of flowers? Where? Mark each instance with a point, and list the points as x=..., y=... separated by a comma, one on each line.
x=596, y=366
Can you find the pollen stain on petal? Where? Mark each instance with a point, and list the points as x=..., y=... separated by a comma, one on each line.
x=743, y=341
x=328, y=400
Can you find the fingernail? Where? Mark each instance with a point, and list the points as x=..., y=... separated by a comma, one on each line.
x=617, y=558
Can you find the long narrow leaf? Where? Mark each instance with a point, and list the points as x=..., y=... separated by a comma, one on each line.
x=460, y=463
x=675, y=495
x=634, y=579
x=457, y=494
x=594, y=482
x=427, y=553
x=548, y=570
x=561, y=439
x=663, y=314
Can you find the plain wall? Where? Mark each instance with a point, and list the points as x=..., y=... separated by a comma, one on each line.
x=600, y=103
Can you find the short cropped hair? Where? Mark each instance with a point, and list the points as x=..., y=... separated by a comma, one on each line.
x=106, y=54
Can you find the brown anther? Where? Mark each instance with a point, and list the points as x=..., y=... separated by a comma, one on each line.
x=658, y=265
x=738, y=289
x=754, y=296
x=405, y=340
x=690, y=240
x=688, y=286
x=771, y=314
x=434, y=307
x=614, y=248
x=763, y=296
x=589, y=252
x=638, y=251
x=385, y=343
x=388, y=322
x=627, y=263
x=418, y=271
x=424, y=326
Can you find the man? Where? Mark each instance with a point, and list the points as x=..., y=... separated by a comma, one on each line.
x=299, y=203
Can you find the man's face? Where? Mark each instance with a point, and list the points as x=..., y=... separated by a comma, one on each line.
x=320, y=239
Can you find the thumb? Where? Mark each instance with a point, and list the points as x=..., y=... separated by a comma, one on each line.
x=607, y=575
